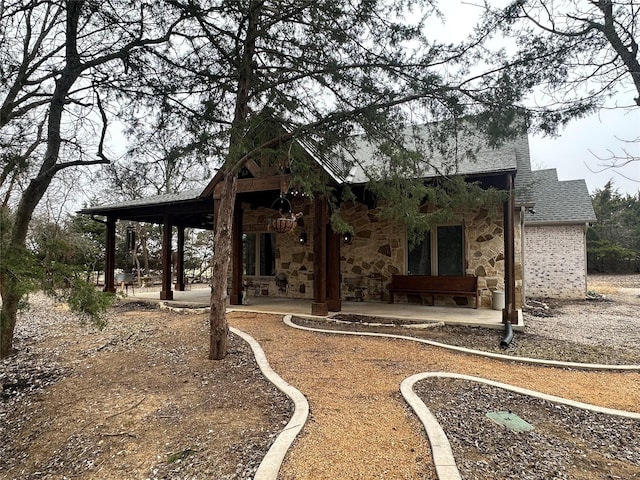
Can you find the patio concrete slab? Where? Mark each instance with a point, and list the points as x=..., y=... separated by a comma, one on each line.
x=200, y=297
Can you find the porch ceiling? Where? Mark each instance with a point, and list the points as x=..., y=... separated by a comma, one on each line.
x=193, y=212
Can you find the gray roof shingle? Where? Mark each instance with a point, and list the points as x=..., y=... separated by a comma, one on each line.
x=148, y=201
x=557, y=201
x=554, y=201
x=457, y=161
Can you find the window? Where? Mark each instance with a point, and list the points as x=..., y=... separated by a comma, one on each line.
x=259, y=254
x=441, y=252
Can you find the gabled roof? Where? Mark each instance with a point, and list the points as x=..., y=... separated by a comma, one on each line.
x=330, y=166
x=506, y=157
x=559, y=201
x=554, y=201
x=524, y=176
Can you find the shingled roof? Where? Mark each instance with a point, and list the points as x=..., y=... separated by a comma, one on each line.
x=557, y=201
x=485, y=159
x=554, y=201
x=187, y=208
x=166, y=198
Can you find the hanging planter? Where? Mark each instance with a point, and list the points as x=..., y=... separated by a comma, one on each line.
x=287, y=220
x=285, y=223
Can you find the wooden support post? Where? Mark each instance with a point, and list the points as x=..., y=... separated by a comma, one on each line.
x=236, y=256
x=179, y=286
x=509, y=312
x=166, y=293
x=319, y=305
x=334, y=300
x=110, y=256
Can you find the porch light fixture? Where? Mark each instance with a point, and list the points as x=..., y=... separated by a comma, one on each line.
x=302, y=239
x=346, y=236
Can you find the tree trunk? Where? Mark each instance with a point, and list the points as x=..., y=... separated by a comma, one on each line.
x=11, y=296
x=138, y=269
x=7, y=324
x=218, y=327
x=11, y=289
x=219, y=330
x=144, y=239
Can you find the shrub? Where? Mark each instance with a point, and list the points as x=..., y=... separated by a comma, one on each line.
x=83, y=298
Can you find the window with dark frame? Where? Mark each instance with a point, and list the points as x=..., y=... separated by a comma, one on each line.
x=440, y=253
x=259, y=254
x=267, y=254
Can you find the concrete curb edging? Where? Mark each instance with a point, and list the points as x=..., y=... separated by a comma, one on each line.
x=525, y=391
x=496, y=356
x=270, y=465
x=441, y=452
x=185, y=310
x=443, y=458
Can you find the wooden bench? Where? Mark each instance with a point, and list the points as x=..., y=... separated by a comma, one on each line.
x=430, y=285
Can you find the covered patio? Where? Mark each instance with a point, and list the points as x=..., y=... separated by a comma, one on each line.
x=318, y=270
x=415, y=313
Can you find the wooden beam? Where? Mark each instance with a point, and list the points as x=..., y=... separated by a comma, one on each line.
x=166, y=293
x=260, y=184
x=319, y=305
x=110, y=256
x=179, y=286
x=236, y=256
x=509, y=312
x=253, y=167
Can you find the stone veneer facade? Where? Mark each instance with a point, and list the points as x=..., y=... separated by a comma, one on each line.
x=377, y=251
x=555, y=263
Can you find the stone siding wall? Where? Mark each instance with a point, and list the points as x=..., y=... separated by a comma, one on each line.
x=293, y=260
x=378, y=250
x=484, y=252
x=555, y=261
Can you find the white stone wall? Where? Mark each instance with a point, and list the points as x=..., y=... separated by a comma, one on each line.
x=555, y=261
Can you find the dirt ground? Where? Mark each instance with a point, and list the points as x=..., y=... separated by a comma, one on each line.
x=140, y=400
x=137, y=400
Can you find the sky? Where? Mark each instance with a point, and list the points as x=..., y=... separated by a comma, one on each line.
x=585, y=146
x=582, y=148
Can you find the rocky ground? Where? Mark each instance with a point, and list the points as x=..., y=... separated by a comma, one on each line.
x=566, y=443
x=602, y=328
x=136, y=400
x=140, y=400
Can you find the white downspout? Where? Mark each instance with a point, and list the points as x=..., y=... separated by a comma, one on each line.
x=584, y=244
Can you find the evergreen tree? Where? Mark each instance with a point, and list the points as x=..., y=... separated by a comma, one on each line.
x=613, y=243
x=254, y=75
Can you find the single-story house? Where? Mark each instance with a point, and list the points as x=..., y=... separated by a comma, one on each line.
x=509, y=248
